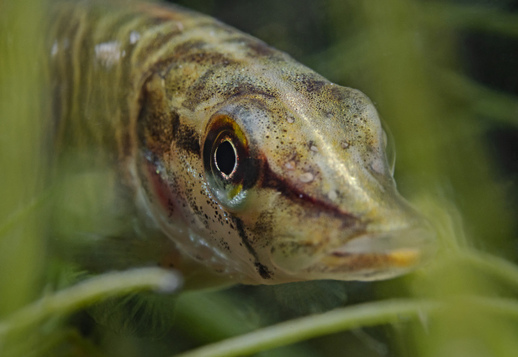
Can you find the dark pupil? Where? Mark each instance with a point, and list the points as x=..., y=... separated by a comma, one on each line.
x=225, y=158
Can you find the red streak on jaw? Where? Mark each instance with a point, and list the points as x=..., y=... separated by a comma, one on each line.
x=160, y=189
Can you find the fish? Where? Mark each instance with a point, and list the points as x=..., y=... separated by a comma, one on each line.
x=251, y=167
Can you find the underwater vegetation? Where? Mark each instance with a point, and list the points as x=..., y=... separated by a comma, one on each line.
x=442, y=75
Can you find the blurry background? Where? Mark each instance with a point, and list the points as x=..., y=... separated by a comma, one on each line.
x=443, y=75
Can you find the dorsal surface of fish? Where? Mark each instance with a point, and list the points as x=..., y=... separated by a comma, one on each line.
x=257, y=168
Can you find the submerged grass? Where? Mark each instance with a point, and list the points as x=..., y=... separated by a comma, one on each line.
x=404, y=55
x=89, y=292
x=362, y=315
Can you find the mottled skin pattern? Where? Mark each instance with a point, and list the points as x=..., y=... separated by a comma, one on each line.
x=155, y=90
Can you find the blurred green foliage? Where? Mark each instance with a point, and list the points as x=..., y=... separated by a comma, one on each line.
x=22, y=160
x=439, y=74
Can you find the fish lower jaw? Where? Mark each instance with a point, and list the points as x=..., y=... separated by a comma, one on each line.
x=366, y=266
x=373, y=256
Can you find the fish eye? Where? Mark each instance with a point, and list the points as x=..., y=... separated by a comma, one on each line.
x=226, y=151
x=230, y=166
x=225, y=158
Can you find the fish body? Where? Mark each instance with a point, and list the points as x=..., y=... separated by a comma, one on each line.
x=259, y=170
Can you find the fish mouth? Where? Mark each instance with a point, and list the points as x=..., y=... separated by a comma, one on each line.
x=370, y=256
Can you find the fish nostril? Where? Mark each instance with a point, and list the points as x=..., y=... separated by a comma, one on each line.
x=378, y=166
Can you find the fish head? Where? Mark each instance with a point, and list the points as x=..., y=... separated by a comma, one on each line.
x=312, y=185
x=276, y=175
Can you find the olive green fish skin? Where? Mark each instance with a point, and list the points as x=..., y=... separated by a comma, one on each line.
x=157, y=89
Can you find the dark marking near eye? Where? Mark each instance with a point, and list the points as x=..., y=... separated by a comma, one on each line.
x=154, y=121
x=271, y=180
x=188, y=140
x=263, y=271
